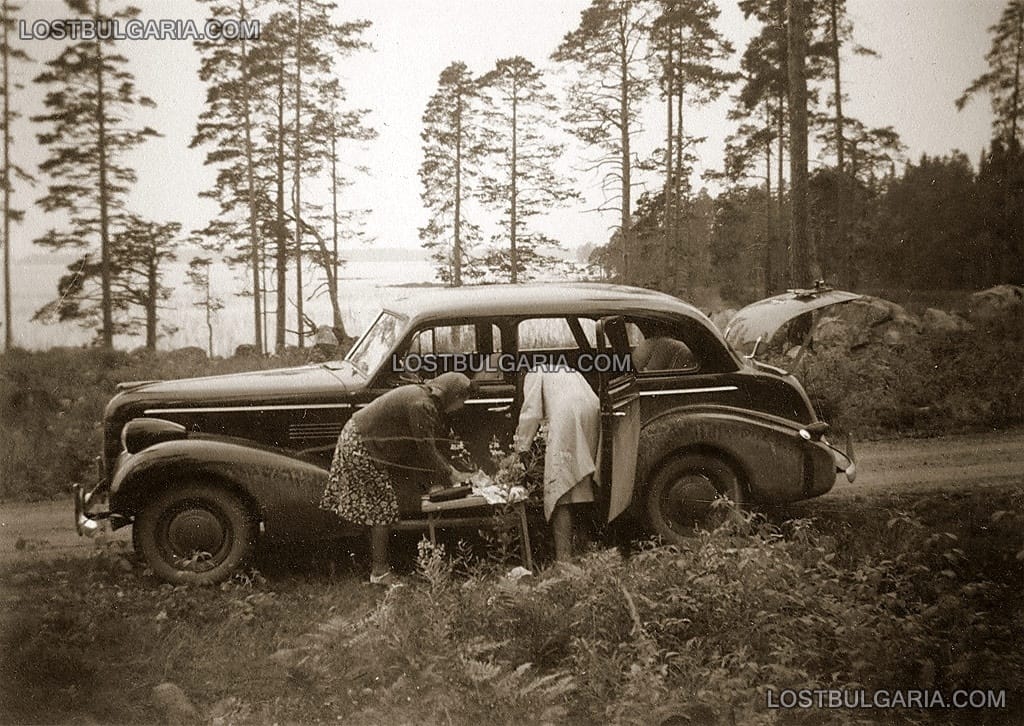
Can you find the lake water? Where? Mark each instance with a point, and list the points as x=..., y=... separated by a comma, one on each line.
x=365, y=284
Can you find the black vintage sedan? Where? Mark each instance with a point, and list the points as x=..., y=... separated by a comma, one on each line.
x=203, y=468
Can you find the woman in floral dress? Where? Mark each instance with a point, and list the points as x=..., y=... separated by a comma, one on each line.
x=392, y=444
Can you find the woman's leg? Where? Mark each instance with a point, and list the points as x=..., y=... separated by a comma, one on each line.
x=561, y=529
x=379, y=535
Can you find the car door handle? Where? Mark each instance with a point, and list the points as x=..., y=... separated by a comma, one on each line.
x=500, y=409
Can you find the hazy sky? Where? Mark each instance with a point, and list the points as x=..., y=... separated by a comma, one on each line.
x=930, y=50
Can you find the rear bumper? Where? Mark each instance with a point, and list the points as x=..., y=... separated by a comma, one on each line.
x=846, y=461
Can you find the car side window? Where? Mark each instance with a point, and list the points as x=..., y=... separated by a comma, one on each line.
x=538, y=334
x=460, y=347
x=658, y=348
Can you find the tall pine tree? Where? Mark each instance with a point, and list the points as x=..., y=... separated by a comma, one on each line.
x=1002, y=81
x=521, y=115
x=228, y=124
x=610, y=51
x=9, y=55
x=89, y=105
x=453, y=148
x=690, y=51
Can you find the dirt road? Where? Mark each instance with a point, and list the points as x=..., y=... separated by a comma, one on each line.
x=44, y=530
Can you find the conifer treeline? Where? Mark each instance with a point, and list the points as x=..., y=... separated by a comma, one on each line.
x=277, y=125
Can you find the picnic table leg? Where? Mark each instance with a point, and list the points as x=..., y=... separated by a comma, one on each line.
x=524, y=537
x=431, y=520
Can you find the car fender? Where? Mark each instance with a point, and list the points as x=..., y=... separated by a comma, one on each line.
x=284, y=491
x=773, y=462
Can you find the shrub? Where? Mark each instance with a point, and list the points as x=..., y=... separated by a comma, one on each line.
x=935, y=383
x=53, y=402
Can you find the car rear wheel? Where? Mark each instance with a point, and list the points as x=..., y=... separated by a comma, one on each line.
x=686, y=492
x=195, y=534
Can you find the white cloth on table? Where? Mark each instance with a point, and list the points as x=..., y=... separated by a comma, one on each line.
x=562, y=397
x=485, y=487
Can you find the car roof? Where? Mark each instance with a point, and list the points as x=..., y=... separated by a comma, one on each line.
x=580, y=298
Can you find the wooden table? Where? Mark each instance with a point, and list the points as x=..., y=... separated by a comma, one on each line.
x=457, y=513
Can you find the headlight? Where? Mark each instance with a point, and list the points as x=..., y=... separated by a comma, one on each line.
x=141, y=433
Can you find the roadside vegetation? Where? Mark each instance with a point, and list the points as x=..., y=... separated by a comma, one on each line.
x=917, y=592
x=51, y=406
x=933, y=383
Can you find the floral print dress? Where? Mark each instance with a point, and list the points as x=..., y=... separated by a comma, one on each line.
x=358, y=488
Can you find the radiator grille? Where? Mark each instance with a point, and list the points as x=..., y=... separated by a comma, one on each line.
x=312, y=431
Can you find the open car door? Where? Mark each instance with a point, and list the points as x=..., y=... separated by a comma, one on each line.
x=620, y=415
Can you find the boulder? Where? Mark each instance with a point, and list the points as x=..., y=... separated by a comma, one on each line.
x=996, y=302
x=895, y=332
x=939, y=321
x=833, y=332
x=866, y=312
x=173, y=704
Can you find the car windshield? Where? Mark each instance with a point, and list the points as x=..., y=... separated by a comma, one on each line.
x=368, y=353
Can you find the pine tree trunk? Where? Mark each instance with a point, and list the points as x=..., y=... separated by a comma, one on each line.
x=332, y=264
x=513, y=253
x=837, y=84
x=152, y=291
x=1015, y=108
x=254, y=247
x=669, y=227
x=457, y=244
x=297, y=197
x=8, y=334
x=624, y=141
x=280, y=228
x=103, y=191
x=769, y=207
x=841, y=186
x=209, y=315
x=799, y=248
x=779, y=245
x=681, y=239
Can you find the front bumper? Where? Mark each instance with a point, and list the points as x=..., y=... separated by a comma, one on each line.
x=87, y=523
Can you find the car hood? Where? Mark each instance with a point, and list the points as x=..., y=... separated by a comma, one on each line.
x=293, y=385
x=761, y=320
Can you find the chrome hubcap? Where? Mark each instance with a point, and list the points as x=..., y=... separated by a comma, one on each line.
x=195, y=531
x=688, y=501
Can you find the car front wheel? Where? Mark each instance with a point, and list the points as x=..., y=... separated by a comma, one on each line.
x=195, y=534
x=687, y=493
